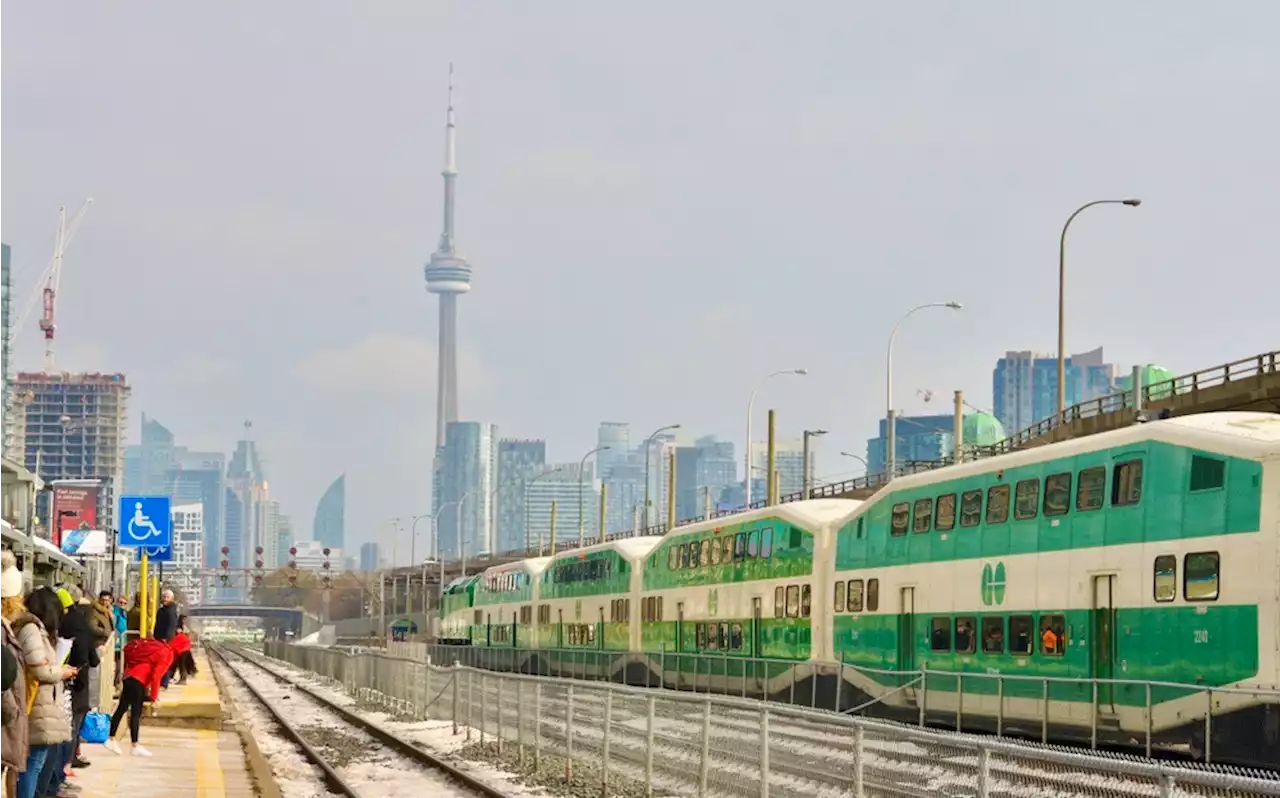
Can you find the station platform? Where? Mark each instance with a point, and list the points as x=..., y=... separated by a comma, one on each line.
x=191, y=755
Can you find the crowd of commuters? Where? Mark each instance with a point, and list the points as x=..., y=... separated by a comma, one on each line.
x=54, y=643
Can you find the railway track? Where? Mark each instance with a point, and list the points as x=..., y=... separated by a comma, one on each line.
x=351, y=756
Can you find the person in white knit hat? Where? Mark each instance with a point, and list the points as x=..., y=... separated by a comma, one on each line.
x=14, y=735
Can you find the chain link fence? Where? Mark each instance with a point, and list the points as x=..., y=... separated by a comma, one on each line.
x=635, y=741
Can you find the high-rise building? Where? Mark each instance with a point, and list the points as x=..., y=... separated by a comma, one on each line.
x=329, y=528
x=201, y=477
x=1024, y=385
x=146, y=464
x=563, y=487
x=370, y=557
x=285, y=536
x=624, y=501
x=467, y=477
x=187, y=524
x=247, y=512
x=929, y=438
x=519, y=461
x=448, y=274
x=788, y=460
x=6, y=309
x=703, y=471
x=75, y=429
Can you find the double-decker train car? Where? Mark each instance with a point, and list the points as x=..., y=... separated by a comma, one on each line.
x=1075, y=588
x=456, y=616
x=1148, y=554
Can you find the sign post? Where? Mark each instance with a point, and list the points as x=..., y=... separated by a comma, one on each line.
x=144, y=525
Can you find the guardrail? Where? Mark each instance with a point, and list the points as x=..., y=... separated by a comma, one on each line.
x=1235, y=371
x=622, y=739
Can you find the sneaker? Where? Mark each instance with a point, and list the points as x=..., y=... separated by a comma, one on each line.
x=79, y=762
x=112, y=746
x=140, y=751
x=69, y=791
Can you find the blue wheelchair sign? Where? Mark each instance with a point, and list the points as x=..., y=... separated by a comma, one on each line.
x=144, y=521
x=156, y=553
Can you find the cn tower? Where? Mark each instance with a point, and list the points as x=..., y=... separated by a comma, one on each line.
x=448, y=275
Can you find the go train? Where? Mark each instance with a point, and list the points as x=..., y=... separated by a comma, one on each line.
x=1089, y=589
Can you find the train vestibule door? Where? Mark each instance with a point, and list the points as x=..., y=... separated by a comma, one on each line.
x=679, y=627
x=1103, y=645
x=906, y=630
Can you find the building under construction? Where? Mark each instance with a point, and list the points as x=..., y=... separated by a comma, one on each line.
x=75, y=427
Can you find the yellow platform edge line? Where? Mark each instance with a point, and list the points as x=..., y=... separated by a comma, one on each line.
x=210, y=780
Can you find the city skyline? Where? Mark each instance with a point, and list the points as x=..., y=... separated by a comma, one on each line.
x=644, y=258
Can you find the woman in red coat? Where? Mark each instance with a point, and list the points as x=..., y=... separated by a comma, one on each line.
x=146, y=661
x=184, y=663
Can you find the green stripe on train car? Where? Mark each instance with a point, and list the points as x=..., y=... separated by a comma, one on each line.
x=569, y=577
x=770, y=549
x=1206, y=645
x=1229, y=502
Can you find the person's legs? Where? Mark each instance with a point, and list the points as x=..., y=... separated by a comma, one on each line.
x=28, y=779
x=52, y=774
x=77, y=724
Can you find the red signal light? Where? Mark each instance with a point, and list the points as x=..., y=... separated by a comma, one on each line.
x=224, y=565
x=293, y=549
x=326, y=551
x=226, y=550
x=257, y=563
x=258, y=550
x=325, y=566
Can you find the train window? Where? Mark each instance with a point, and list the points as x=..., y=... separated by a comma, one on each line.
x=702, y=636
x=779, y=603
x=839, y=597
x=724, y=635
x=945, y=514
x=1166, y=570
x=901, y=515
x=658, y=617
x=855, y=595
x=735, y=637
x=992, y=634
x=753, y=543
x=1057, y=494
x=573, y=635
x=695, y=550
x=1090, y=489
x=684, y=556
x=644, y=610
x=873, y=595
x=715, y=551
x=626, y=610
x=1207, y=473
x=793, y=601
x=526, y=615
x=1126, y=483
x=726, y=555
x=739, y=547
x=1026, y=500
x=1053, y=635
x=591, y=633
x=805, y=601
x=940, y=638
x=970, y=508
x=1020, y=635
x=704, y=552
x=965, y=642
x=766, y=542
x=997, y=504
x=673, y=558
x=1200, y=576
x=922, y=516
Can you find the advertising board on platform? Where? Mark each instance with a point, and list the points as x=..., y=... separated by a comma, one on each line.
x=75, y=506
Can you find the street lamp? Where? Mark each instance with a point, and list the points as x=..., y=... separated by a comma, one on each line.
x=394, y=539
x=751, y=405
x=527, y=540
x=435, y=540
x=806, y=471
x=413, y=538
x=462, y=541
x=582, y=466
x=891, y=415
x=865, y=467
x=647, y=459
x=1062, y=290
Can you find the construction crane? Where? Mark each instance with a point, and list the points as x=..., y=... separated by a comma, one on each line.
x=52, y=277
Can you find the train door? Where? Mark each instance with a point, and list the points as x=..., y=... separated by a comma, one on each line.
x=560, y=628
x=679, y=627
x=906, y=630
x=1103, y=650
x=488, y=630
x=515, y=626
x=756, y=642
x=600, y=633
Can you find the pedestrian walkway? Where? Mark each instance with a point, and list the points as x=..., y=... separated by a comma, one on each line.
x=191, y=756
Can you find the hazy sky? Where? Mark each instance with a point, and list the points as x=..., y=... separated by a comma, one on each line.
x=661, y=202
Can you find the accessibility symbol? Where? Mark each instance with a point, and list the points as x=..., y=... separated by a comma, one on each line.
x=156, y=553
x=144, y=521
x=993, y=584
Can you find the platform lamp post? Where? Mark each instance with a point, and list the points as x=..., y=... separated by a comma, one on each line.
x=528, y=540
x=866, y=469
x=806, y=470
x=890, y=414
x=1062, y=290
x=751, y=406
x=647, y=460
x=582, y=466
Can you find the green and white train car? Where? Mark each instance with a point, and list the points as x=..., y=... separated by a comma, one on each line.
x=1151, y=553
x=586, y=596
x=456, y=614
x=503, y=605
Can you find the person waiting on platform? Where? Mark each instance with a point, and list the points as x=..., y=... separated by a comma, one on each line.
x=184, y=663
x=146, y=663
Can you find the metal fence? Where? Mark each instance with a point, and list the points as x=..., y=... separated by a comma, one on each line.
x=636, y=741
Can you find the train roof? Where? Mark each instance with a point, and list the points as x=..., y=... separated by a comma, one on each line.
x=634, y=549
x=808, y=514
x=1236, y=433
x=533, y=566
x=460, y=583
